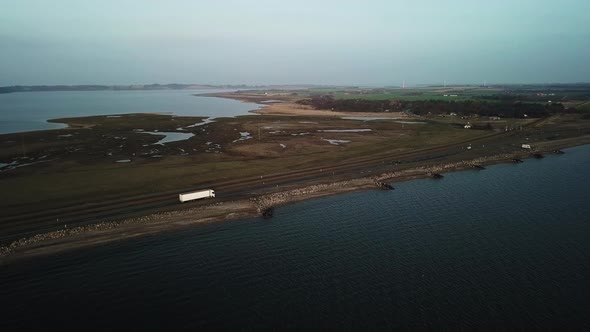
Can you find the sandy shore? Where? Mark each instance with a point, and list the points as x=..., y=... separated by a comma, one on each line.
x=286, y=105
x=101, y=233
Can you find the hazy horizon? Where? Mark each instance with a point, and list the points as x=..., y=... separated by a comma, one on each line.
x=374, y=43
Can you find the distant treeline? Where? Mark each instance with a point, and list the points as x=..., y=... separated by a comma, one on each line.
x=537, y=96
x=510, y=109
x=174, y=86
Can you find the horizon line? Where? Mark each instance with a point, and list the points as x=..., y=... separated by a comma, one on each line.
x=487, y=84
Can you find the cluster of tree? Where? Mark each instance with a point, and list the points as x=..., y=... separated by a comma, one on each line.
x=510, y=97
x=510, y=109
x=506, y=109
x=349, y=105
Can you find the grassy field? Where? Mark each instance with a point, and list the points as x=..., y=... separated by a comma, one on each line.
x=585, y=107
x=408, y=94
x=72, y=166
x=92, y=173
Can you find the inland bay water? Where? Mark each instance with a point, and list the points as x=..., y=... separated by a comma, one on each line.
x=26, y=111
x=506, y=248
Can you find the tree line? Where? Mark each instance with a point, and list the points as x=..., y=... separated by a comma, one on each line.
x=508, y=109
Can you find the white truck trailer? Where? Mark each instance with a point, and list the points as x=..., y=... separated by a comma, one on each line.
x=207, y=193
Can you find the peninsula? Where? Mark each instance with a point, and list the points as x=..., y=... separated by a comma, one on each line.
x=109, y=177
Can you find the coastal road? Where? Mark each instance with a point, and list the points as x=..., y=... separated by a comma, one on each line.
x=36, y=222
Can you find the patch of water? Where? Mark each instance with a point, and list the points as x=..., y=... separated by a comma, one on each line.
x=26, y=111
x=15, y=164
x=411, y=122
x=345, y=130
x=170, y=136
x=360, y=118
x=336, y=141
x=425, y=255
x=202, y=123
x=244, y=135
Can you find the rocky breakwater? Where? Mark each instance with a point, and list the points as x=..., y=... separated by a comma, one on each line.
x=114, y=230
x=464, y=164
x=265, y=203
x=429, y=170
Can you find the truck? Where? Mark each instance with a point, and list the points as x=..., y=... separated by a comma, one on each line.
x=199, y=194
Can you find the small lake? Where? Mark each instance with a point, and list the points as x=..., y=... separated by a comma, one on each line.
x=26, y=111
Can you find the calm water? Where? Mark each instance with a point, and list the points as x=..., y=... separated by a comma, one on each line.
x=27, y=111
x=507, y=247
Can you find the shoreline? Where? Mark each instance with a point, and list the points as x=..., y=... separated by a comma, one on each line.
x=287, y=106
x=106, y=232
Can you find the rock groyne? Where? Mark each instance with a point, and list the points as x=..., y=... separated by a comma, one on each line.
x=262, y=205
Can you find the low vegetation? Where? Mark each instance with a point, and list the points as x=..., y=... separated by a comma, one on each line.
x=110, y=157
x=511, y=109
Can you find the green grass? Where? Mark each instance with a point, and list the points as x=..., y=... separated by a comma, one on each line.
x=584, y=107
x=133, y=121
x=392, y=96
x=76, y=179
x=410, y=94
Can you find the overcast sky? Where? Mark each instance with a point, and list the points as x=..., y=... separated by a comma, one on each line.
x=370, y=42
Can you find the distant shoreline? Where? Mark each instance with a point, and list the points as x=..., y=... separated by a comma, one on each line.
x=148, y=87
x=106, y=232
x=188, y=86
x=138, y=87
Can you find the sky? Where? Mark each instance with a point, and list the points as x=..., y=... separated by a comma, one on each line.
x=369, y=42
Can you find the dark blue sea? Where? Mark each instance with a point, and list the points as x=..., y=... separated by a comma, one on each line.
x=506, y=248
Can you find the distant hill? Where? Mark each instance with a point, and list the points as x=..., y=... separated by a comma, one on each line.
x=172, y=86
